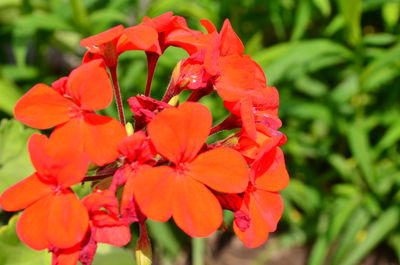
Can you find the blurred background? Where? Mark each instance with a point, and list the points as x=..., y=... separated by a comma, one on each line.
x=336, y=64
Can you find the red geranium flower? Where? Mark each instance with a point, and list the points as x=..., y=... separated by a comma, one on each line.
x=111, y=43
x=70, y=109
x=180, y=190
x=262, y=205
x=54, y=217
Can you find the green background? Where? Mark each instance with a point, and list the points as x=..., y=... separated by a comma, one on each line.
x=336, y=64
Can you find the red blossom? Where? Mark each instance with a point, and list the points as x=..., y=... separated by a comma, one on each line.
x=262, y=203
x=58, y=217
x=181, y=190
x=87, y=89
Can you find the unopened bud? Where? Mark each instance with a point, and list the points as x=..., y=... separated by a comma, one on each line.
x=143, y=250
x=129, y=128
x=174, y=101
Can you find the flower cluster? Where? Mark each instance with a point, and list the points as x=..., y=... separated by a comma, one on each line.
x=164, y=167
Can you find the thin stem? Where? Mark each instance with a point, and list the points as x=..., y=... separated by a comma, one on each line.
x=97, y=177
x=117, y=94
x=170, y=93
x=152, y=59
x=231, y=122
x=198, y=251
x=197, y=94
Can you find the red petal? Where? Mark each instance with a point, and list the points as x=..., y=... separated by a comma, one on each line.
x=140, y=37
x=222, y=169
x=103, y=37
x=241, y=77
x=179, y=133
x=270, y=171
x=24, y=193
x=89, y=85
x=160, y=23
x=89, y=56
x=195, y=209
x=32, y=224
x=57, y=163
x=104, y=199
x=270, y=206
x=208, y=25
x=114, y=232
x=102, y=137
x=230, y=42
x=42, y=107
x=247, y=116
x=39, y=154
x=153, y=192
x=257, y=233
x=66, y=257
x=97, y=136
x=129, y=208
x=68, y=220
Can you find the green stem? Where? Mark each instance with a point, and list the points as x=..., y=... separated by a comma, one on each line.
x=198, y=251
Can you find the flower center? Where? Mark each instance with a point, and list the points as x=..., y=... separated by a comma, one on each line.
x=182, y=168
x=75, y=112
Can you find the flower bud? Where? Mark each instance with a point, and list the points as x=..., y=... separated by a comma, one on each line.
x=143, y=250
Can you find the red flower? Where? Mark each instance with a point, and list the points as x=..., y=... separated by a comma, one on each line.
x=262, y=205
x=265, y=140
x=70, y=109
x=145, y=109
x=110, y=43
x=106, y=226
x=242, y=85
x=53, y=217
x=138, y=155
x=181, y=190
x=214, y=44
x=166, y=25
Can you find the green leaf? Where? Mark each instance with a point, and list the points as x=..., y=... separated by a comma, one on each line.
x=394, y=241
x=383, y=65
x=341, y=212
x=290, y=61
x=306, y=197
x=14, y=252
x=324, y=6
x=14, y=158
x=254, y=44
x=302, y=18
x=351, y=12
x=376, y=232
x=334, y=26
x=310, y=86
x=319, y=251
x=29, y=24
x=379, y=39
x=354, y=232
x=104, y=19
x=391, y=13
x=360, y=147
x=321, y=246
x=390, y=138
x=310, y=111
x=9, y=96
x=346, y=89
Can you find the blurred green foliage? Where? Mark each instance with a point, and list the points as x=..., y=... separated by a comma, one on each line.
x=336, y=64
